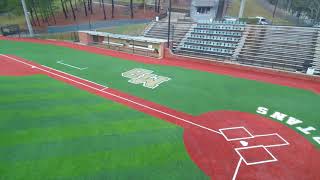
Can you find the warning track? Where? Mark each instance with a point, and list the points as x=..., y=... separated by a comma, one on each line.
x=224, y=144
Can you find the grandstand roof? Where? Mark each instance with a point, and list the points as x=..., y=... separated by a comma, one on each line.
x=204, y=3
x=128, y=37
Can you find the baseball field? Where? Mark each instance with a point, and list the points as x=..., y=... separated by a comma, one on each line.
x=75, y=112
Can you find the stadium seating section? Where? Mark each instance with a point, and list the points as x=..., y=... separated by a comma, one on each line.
x=279, y=47
x=217, y=40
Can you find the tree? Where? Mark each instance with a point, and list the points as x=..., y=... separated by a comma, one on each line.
x=309, y=8
x=3, y=6
x=33, y=6
x=30, y=8
x=314, y=8
x=85, y=7
x=64, y=10
x=75, y=4
x=104, y=10
x=112, y=8
x=73, y=13
x=131, y=8
x=90, y=6
x=158, y=9
x=51, y=10
x=14, y=7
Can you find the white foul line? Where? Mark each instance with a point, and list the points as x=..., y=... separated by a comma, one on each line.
x=60, y=62
x=114, y=95
x=237, y=169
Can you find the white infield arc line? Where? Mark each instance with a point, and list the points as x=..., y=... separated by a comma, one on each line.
x=75, y=67
x=114, y=95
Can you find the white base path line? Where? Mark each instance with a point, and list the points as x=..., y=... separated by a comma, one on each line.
x=60, y=62
x=104, y=88
x=117, y=96
x=237, y=169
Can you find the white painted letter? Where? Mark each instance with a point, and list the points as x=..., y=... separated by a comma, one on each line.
x=306, y=130
x=262, y=110
x=293, y=121
x=136, y=73
x=278, y=115
x=149, y=80
x=317, y=139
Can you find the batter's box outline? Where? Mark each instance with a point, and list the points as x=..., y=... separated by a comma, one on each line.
x=286, y=143
x=272, y=159
x=236, y=139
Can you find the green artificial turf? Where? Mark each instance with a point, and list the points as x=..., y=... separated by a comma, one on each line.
x=132, y=29
x=190, y=91
x=51, y=130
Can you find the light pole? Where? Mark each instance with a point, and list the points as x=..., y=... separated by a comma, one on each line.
x=275, y=9
x=27, y=17
x=243, y=4
x=169, y=23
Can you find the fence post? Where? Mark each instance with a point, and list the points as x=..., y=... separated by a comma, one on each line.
x=172, y=36
x=133, y=46
x=169, y=22
x=108, y=41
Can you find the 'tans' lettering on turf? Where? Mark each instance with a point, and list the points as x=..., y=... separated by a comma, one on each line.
x=291, y=121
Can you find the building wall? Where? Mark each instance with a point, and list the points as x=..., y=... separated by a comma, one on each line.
x=211, y=15
x=85, y=38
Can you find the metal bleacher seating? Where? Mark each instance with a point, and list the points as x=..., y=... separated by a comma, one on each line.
x=285, y=48
x=217, y=39
x=279, y=47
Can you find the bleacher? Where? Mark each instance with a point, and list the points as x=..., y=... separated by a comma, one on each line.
x=287, y=48
x=217, y=39
x=180, y=25
x=279, y=47
x=160, y=29
x=316, y=58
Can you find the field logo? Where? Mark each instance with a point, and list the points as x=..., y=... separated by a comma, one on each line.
x=290, y=121
x=145, y=77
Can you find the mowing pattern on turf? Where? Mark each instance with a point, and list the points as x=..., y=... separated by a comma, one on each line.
x=55, y=131
x=239, y=137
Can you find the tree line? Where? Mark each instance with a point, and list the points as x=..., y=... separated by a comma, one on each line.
x=310, y=8
x=44, y=10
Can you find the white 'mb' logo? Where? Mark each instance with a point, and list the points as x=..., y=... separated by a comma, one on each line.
x=145, y=77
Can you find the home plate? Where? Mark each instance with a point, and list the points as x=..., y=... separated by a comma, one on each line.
x=244, y=143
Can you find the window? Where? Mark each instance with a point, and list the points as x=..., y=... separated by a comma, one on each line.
x=203, y=10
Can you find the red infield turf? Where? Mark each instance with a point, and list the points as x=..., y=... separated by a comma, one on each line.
x=224, y=144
